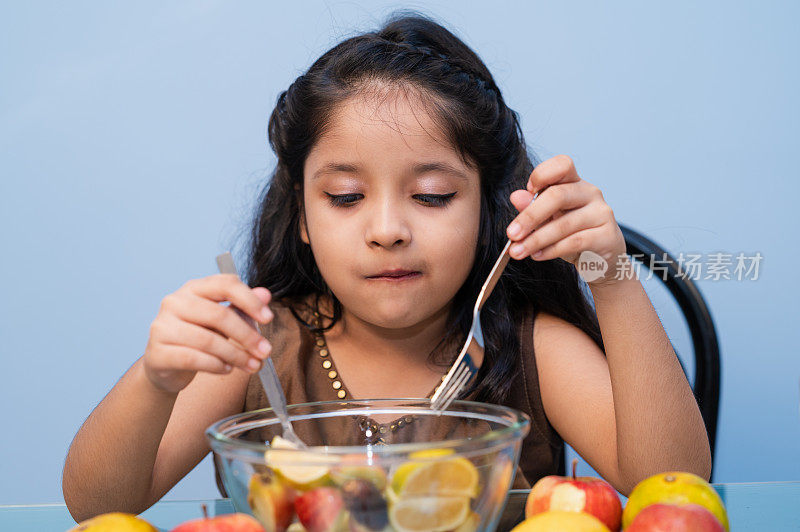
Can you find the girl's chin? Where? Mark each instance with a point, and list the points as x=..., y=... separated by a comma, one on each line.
x=391, y=321
x=393, y=316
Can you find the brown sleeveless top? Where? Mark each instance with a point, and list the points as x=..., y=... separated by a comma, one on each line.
x=307, y=374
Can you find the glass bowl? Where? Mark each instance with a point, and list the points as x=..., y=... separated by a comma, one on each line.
x=385, y=464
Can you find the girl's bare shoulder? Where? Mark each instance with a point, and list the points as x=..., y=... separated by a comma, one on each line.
x=569, y=364
x=575, y=386
x=556, y=337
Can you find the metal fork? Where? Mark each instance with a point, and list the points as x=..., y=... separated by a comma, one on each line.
x=464, y=368
x=267, y=374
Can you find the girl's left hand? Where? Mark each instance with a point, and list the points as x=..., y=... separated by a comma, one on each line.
x=568, y=217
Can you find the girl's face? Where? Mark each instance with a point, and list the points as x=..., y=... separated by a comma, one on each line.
x=391, y=212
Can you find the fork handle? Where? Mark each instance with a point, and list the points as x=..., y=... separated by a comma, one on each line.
x=494, y=276
x=267, y=374
x=498, y=268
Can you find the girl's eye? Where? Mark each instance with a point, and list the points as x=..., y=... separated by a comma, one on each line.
x=434, y=200
x=431, y=200
x=343, y=200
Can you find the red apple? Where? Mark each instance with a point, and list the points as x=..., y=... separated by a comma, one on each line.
x=221, y=523
x=674, y=487
x=675, y=518
x=321, y=510
x=576, y=494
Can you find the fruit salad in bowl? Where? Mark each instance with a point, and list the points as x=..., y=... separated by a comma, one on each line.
x=377, y=465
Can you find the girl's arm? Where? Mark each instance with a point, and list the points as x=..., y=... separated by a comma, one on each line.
x=630, y=413
x=148, y=432
x=659, y=424
x=140, y=441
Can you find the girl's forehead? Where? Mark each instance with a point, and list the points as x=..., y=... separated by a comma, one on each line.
x=392, y=121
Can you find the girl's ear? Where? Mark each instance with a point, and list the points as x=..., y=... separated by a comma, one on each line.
x=302, y=208
x=303, y=229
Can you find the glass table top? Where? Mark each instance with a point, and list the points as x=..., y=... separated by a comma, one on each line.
x=773, y=506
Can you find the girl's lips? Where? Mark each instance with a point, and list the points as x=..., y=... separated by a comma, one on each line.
x=395, y=276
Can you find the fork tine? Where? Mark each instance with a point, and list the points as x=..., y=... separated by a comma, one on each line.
x=455, y=389
x=466, y=371
x=453, y=375
x=443, y=400
x=455, y=368
x=457, y=386
x=446, y=393
x=459, y=376
x=461, y=372
x=469, y=364
x=464, y=367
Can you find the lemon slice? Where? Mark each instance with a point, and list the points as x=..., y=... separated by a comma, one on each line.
x=430, y=453
x=428, y=514
x=402, y=472
x=294, y=465
x=451, y=477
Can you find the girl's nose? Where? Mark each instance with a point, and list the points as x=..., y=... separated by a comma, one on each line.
x=387, y=227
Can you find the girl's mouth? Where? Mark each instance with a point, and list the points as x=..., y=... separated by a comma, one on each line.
x=395, y=275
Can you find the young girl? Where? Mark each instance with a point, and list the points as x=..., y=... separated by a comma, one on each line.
x=401, y=174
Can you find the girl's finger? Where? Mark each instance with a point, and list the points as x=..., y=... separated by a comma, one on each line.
x=179, y=332
x=228, y=287
x=188, y=359
x=562, y=197
x=521, y=199
x=558, y=169
x=224, y=320
x=571, y=246
x=263, y=294
x=551, y=232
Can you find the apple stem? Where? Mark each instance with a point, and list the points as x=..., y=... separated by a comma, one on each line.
x=574, y=467
x=205, y=511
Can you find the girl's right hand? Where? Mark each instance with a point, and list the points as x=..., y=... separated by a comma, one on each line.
x=193, y=332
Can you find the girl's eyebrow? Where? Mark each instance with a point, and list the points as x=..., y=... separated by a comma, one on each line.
x=438, y=166
x=417, y=169
x=332, y=168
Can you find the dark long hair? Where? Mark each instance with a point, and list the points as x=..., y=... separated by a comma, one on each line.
x=413, y=51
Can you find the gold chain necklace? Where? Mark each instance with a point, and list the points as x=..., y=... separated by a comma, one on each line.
x=374, y=433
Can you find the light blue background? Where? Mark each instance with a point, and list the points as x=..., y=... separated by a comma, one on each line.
x=133, y=141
